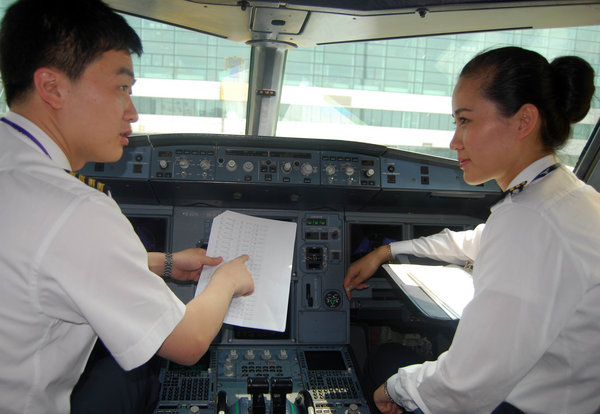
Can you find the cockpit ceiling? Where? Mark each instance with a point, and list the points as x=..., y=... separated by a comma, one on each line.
x=305, y=23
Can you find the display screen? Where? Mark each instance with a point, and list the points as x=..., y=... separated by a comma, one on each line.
x=324, y=361
x=202, y=365
x=365, y=237
x=152, y=231
x=420, y=230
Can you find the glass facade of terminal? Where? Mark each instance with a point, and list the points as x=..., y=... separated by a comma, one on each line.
x=391, y=92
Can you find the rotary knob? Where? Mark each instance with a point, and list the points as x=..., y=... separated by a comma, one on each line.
x=286, y=167
x=306, y=169
x=205, y=165
x=330, y=170
x=248, y=166
x=184, y=163
x=370, y=172
x=228, y=369
x=349, y=171
x=163, y=164
x=231, y=165
x=353, y=409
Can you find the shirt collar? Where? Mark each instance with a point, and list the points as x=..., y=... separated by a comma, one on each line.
x=533, y=169
x=48, y=143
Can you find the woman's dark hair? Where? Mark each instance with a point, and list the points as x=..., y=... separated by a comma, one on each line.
x=562, y=90
x=66, y=35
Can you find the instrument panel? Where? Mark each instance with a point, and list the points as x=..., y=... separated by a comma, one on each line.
x=346, y=199
x=264, y=379
x=255, y=172
x=255, y=165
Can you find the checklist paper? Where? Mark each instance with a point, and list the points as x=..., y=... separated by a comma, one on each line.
x=270, y=246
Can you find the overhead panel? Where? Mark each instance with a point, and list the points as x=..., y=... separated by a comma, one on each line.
x=309, y=23
x=222, y=20
x=280, y=21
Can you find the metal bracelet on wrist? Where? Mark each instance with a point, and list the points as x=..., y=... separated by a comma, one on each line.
x=168, y=265
x=390, y=256
x=387, y=394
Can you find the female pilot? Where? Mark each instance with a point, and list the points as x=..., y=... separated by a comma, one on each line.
x=529, y=339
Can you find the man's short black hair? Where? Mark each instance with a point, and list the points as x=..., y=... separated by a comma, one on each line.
x=66, y=35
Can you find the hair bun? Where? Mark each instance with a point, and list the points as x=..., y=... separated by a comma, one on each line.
x=574, y=85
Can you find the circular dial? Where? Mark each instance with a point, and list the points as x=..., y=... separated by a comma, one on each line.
x=333, y=299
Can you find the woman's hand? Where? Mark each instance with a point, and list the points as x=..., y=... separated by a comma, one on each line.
x=363, y=269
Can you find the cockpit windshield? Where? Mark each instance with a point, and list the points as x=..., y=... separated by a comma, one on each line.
x=395, y=92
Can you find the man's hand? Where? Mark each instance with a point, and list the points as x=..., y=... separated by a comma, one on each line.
x=204, y=314
x=235, y=272
x=187, y=264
